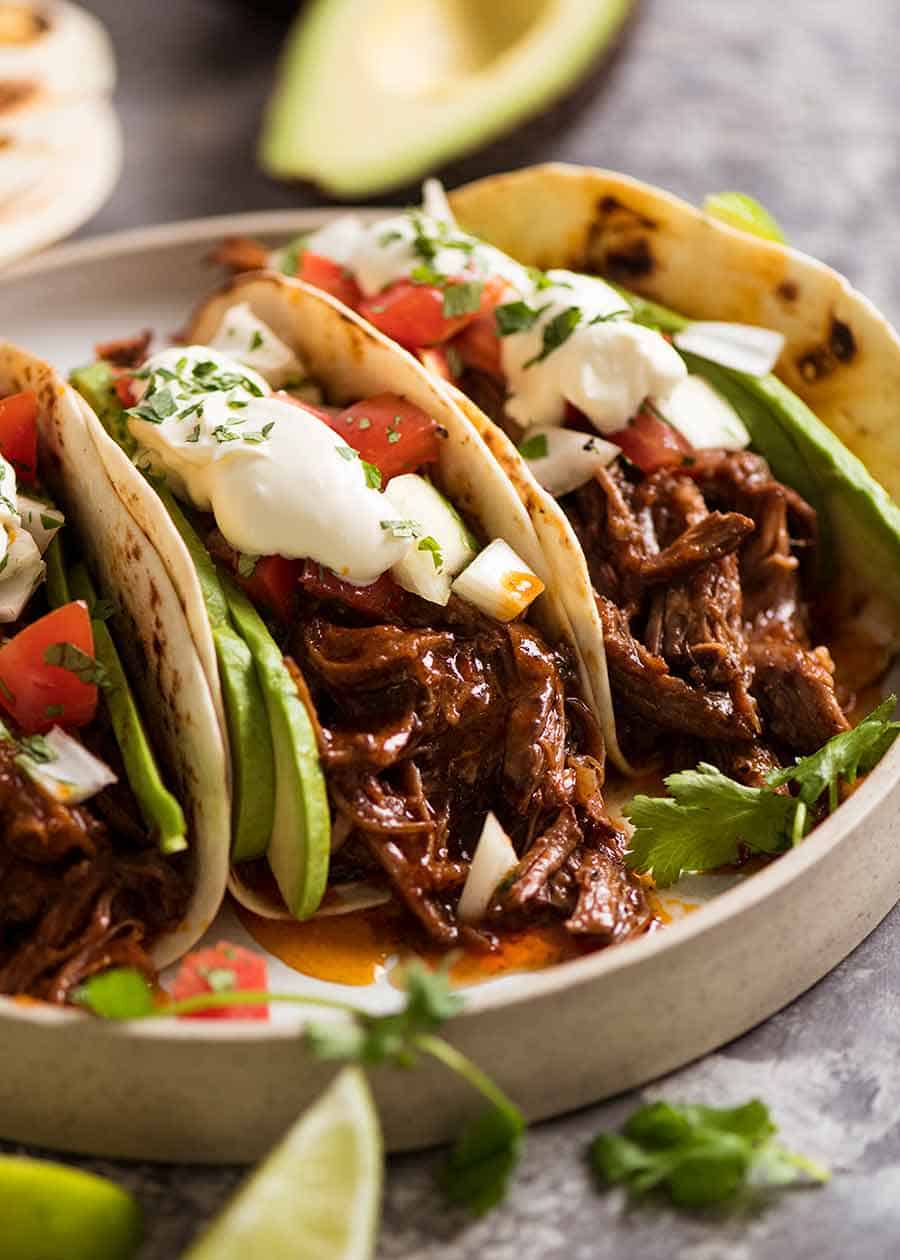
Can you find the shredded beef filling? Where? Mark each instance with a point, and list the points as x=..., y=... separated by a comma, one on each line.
x=699, y=574
x=79, y=894
x=429, y=722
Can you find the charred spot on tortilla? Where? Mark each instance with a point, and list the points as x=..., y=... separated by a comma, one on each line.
x=788, y=291
x=631, y=262
x=609, y=206
x=16, y=92
x=823, y=359
x=842, y=341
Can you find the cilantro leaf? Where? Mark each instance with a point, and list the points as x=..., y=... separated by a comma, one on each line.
x=699, y=1155
x=703, y=823
x=477, y=1170
x=290, y=257
x=84, y=666
x=843, y=758
x=431, y=544
x=462, y=299
x=557, y=331
x=535, y=447
x=515, y=317
x=393, y=1038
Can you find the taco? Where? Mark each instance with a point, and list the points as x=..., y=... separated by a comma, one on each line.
x=728, y=562
x=417, y=728
x=113, y=785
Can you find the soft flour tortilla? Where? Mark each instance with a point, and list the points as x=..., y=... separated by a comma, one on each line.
x=152, y=632
x=351, y=360
x=841, y=359
x=60, y=143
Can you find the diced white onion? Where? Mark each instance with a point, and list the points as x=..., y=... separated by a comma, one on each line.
x=499, y=582
x=73, y=775
x=435, y=203
x=571, y=458
x=424, y=570
x=21, y=569
x=42, y=521
x=704, y=417
x=743, y=347
x=494, y=858
x=254, y=344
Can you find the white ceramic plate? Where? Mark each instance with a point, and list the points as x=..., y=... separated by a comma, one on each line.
x=556, y=1039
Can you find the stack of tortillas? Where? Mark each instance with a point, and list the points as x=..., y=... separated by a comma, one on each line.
x=60, y=145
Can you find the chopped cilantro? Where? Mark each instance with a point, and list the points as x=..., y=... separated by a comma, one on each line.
x=401, y=528
x=363, y=423
x=256, y=340
x=611, y=315
x=70, y=657
x=515, y=317
x=432, y=545
x=246, y=565
x=393, y=436
x=388, y=237
x=454, y=362
x=194, y=435
x=557, y=331
x=373, y=476
x=50, y=522
x=534, y=447
x=462, y=299
x=54, y=710
x=347, y=453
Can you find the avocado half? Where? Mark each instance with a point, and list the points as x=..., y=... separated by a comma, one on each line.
x=372, y=94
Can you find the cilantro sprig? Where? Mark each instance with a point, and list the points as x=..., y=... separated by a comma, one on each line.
x=708, y=817
x=699, y=1156
x=556, y=332
x=477, y=1170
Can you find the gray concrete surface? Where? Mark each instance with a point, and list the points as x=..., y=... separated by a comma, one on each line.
x=799, y=103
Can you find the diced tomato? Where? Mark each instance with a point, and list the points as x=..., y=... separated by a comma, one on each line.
x=321, y=413
x=435, y=359
x=124, y=385
x=18, y=433
x=650, y=443
x=323, y=273
x=478, y=345
x=413, y=314
x=40, y=695
x=379, y=599
x=218, y=968
x=270, y=581
x=391, y=433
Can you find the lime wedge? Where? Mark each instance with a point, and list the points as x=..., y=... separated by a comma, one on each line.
x=318, y=1194
x=739, y=210
x=51, y=1212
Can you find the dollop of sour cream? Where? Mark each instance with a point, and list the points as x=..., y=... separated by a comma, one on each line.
x=379, y=254
x=581, y=347
x=276, y=478
x=584, y=349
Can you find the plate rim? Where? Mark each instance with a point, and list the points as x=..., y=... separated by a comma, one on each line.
x=743, y=899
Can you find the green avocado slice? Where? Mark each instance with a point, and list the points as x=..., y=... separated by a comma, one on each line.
x=252, y=761
x=95, y=384
x=159, y=808
x=300, y=847
x=859, y=521
x=253, y=764
x=372, y=96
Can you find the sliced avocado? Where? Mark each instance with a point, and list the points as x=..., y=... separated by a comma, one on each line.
x=858, y=520
x=372, y=96
x=300, y=847
x=57, y=582
x=253, y=763
x=159, y=808
x=96, y=386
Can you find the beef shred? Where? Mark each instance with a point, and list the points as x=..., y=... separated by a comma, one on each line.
x=427, y=723
x=699, y=573
x=79, y=893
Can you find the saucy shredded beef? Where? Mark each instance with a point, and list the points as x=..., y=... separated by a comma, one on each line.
x=430, y=721
x=700, y=590
x=79, y=894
